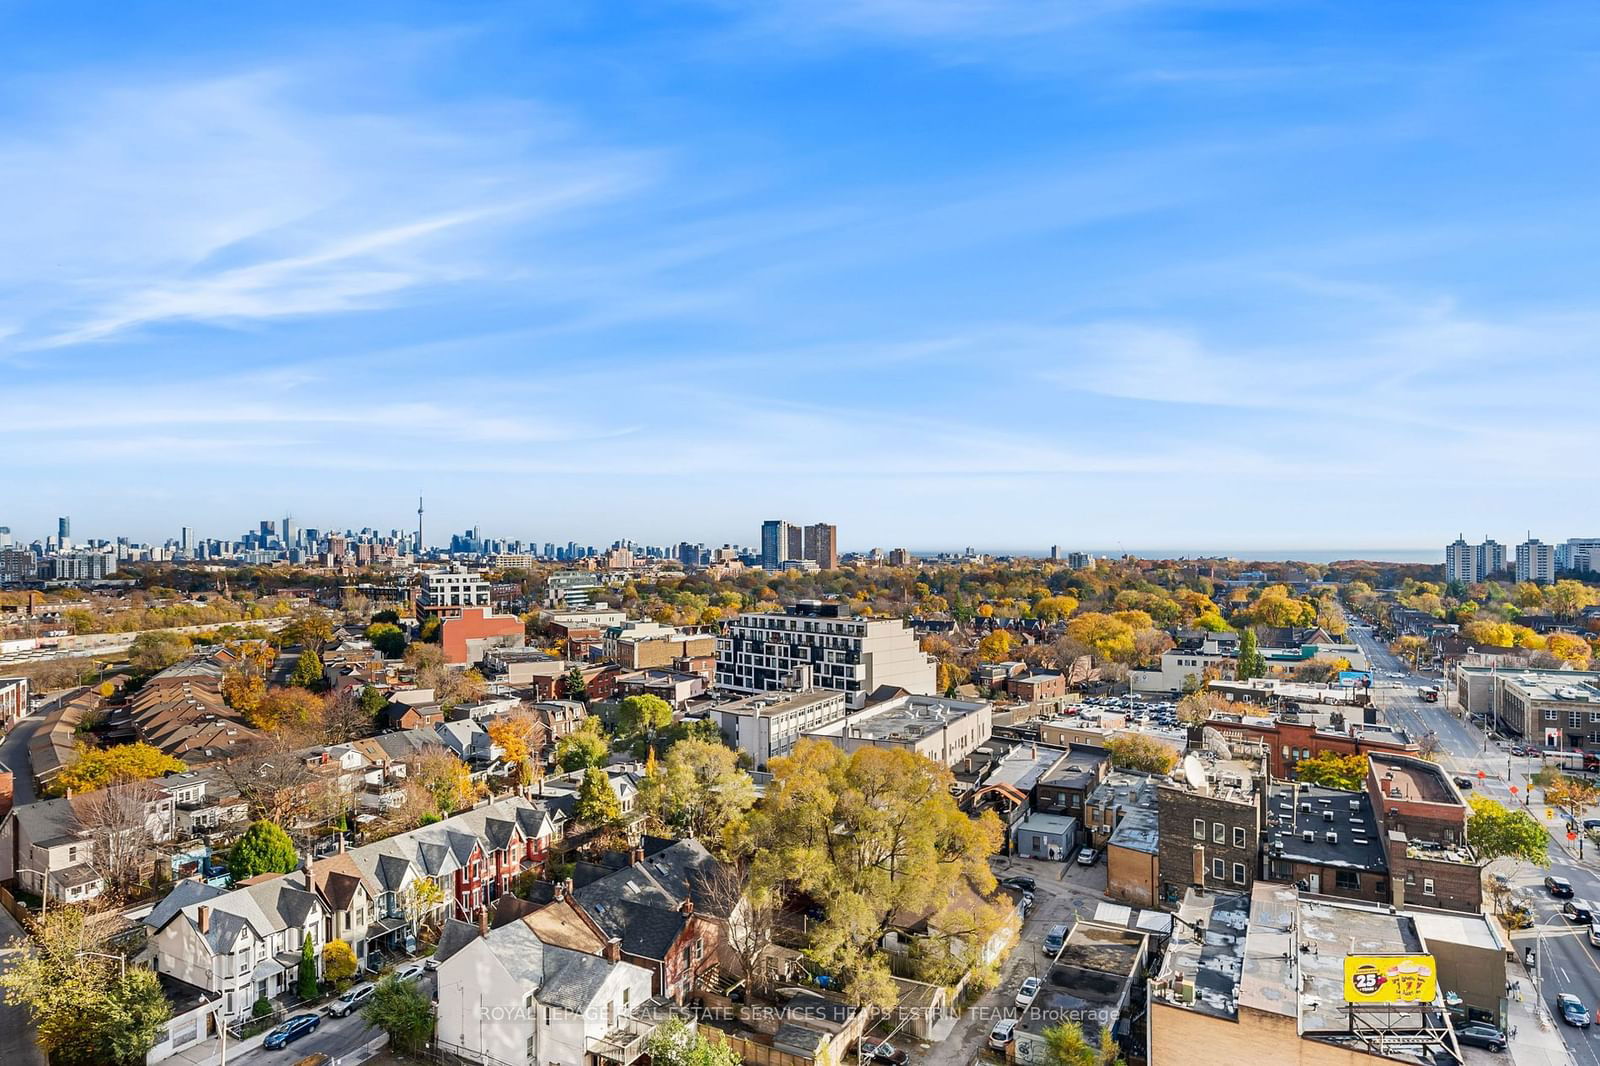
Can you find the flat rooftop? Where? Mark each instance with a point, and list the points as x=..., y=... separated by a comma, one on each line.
x=1295, y=810
x=1414, y=780
x=1556, y=688
x=1139, y=830
x=908, y=718
x=771, y=703
x=1334, y=930
x=1207, y=952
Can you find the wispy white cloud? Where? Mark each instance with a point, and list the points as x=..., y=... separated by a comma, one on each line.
x=252, y=197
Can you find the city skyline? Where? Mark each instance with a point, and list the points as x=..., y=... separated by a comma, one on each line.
x=1116, y=269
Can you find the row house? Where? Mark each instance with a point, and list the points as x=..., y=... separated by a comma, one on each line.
x=245, y=944
x=452, y=868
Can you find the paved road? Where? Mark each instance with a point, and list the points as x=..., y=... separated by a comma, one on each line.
x=1564, y=960
x=334, y=1037
x=14, y=757
x=16, y=1034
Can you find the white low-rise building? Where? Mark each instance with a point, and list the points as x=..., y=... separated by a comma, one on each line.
x=508, y=997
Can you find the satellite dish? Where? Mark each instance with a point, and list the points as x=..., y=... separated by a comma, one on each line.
x=1213, y=740
x=1193, y=772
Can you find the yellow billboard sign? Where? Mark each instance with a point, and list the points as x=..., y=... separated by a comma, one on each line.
x=1390, y=979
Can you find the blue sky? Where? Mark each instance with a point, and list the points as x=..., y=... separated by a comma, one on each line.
x=941, y=271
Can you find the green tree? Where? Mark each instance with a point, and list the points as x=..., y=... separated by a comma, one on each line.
x=307, y=977
x=675, y=1044
x=307, y=671
x=402, y=1010
x=1331, y=770
x=373, y=701
x=643, y=715
x=1250, y=663
x=388, y=639
x=577, y=686
x=697, y=790
x=597, y=803
x=584, y=747
x=264, y=848
x=1136, y=751
x=86, y=1009
x=1496, y=832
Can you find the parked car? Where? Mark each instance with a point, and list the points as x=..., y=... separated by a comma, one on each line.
x=1594, y=935
x=1558, y=887
x=1518, y=749
x=431, y=963
x=1088, y=857
x=1481, y=1034
x=290, y=1031
x=1000, y=1035
x=1054, y=939
x=1591, y=823
x=1025, y=884
x=409, y=972
x=1572, y=1010
x=1463, y=782
x=1028, y=993
x=351, y=1000
x=885, y=1052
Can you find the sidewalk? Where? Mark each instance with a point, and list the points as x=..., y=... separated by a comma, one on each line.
x=1538, y=1042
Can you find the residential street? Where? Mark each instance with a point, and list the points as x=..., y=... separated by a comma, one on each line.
x=334, y=1037
x=14, y=757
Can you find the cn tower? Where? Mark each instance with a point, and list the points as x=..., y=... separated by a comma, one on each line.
x=419, y=525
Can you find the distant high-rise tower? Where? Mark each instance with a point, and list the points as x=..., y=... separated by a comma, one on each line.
x=821, y=544
x=288, y=531
x=186, y=540
x=421, y=544
x=64, y=531
x=776, y=536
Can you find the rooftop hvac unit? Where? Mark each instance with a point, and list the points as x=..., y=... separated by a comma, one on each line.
x=1308, y=836
x=1332, y=838
x=1327, y=816
x=1305, y=808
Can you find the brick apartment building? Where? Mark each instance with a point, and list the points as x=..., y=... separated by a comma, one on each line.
x=1289, y=738
x=1210, y=827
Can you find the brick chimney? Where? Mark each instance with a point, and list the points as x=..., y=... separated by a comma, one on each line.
x=483, y=920
x=203, y=916
x=686, y=908
x=637, y=856
x=1199, y=868
x=613, y=949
